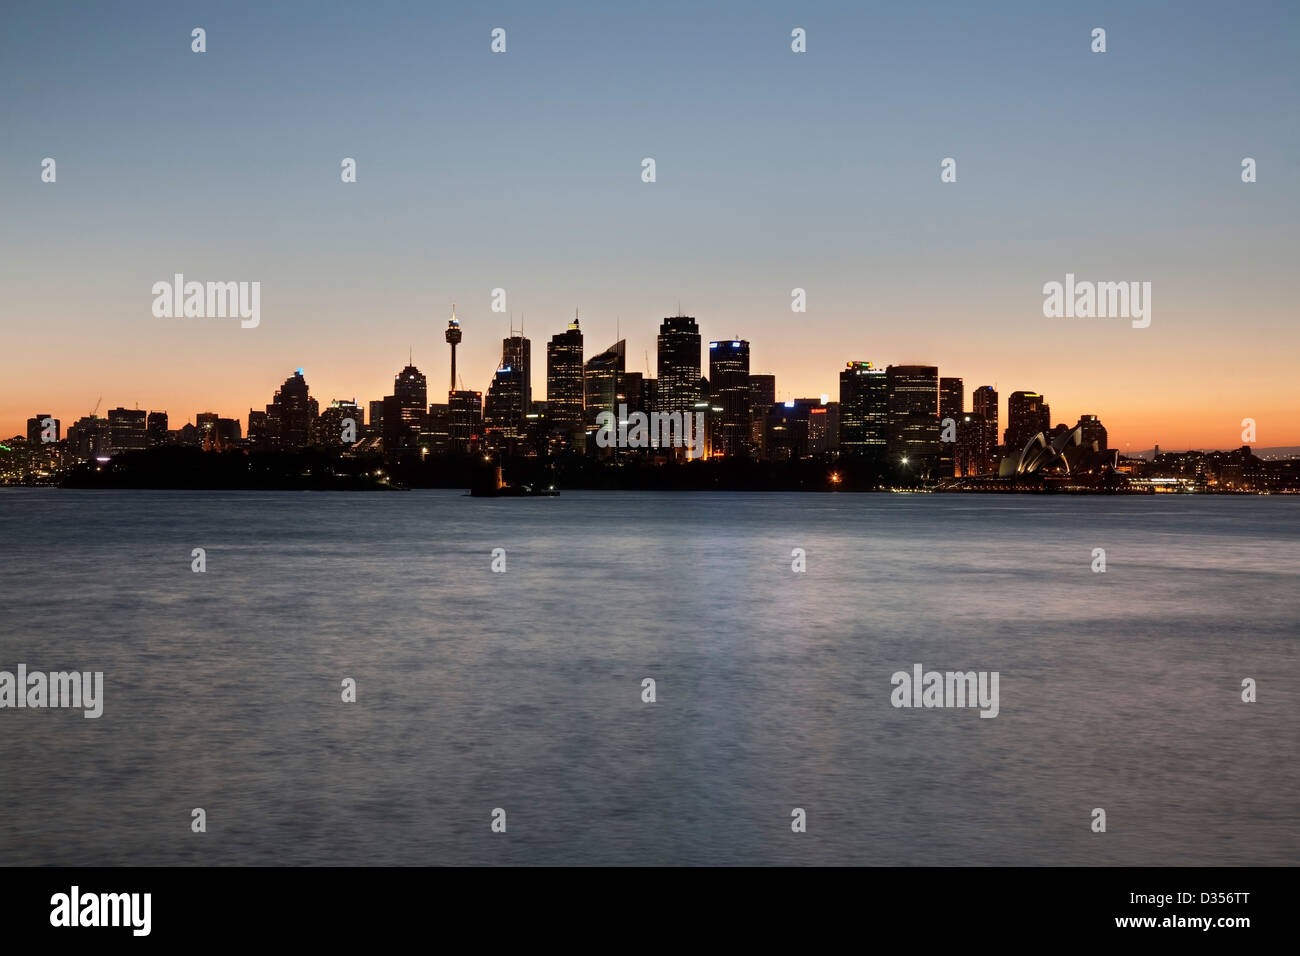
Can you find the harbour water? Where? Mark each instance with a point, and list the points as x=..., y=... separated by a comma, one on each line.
x=522, y=690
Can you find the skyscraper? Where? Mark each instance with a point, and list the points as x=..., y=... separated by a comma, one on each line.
x=679, y=365
x=404, y=410
x=1094, y=432
x=517, y=354
x=1027, y=414
x=864, y=409
x=952, y=395
x=729, y=390
x=289, y=417
x=984, y=402
x=762, y=396
x=603, y=382
x=156, y=428
x=466, y=411
x=127, y=429
x=564, y=396
x=36, y=426
x=503, y=410
x=913, y=416
x=973, y=449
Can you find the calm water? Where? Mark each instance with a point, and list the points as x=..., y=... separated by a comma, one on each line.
x=523, y=690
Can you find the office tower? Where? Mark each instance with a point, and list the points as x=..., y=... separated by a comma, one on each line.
x=206, y=423
x=504, y=409
x=795, y=429
x=631, y=392
x=602, y=384
x=517, y=354
x=466, y=410
x=412, y=392
x=331, y=428
x=452, y=336
x=649, y=393
x=289, y=417
x=376, y=417
x=564, y=378
x=973, y=451
x=762, y=396
x=127, y=429
x=436, y=437
x=228, y=432
x=729, y=390
x=984, y=402
x=403, y=412
x=36, y=427
x=156, y=428
x=258, y=429
x=1094, y=432
x=818, y=429
x=832, y=425
x=1027, y=414
x=679, y=365
x=913, y=417
x=864, y=409
x=951, y=398
x=90, y=438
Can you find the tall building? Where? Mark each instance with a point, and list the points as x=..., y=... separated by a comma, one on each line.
x=973, y=453
x=1093, y=432
x=952, y=395
x=504, y=410
x=36, y=427
x=517, y=354
x=913, y=416
x=602, y=380
x=729, y=390
x=984, y=402
x=1027, y=414
x=330, y=427
x=466, y=411
x=90, y=438
x=603, y=383
x=679, y=365
x=762, y=396
x=404, y=411
x=156, y=428
x=127, y=429
x=564, y=395
x=864, y=409
x=289, y=417
x=796, y=429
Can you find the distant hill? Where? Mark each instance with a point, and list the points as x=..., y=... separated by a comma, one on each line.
x=1279, y=451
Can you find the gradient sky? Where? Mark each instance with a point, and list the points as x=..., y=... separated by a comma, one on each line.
x=775, y=170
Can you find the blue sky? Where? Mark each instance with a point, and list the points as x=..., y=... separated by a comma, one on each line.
x=774, y=170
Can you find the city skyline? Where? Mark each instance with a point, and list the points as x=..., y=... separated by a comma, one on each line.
x=1096, y=405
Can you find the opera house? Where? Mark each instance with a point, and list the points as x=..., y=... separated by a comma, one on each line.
x=1066, y=454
